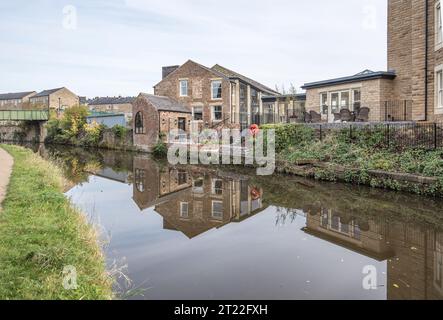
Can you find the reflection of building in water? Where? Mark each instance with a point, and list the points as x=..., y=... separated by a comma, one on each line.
x=413, y=253
x=193, y=203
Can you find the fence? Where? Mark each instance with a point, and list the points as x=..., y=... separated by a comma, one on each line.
x=396, y=110
x=425, y=135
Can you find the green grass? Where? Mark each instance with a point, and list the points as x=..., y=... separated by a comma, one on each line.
x=41, y=233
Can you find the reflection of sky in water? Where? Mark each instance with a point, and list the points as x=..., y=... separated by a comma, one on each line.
x=254, y=259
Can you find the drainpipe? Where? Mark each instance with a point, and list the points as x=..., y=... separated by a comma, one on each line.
x=426, y=57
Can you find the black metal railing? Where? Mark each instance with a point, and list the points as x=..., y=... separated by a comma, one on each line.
x=417, y=135
x=396, y=110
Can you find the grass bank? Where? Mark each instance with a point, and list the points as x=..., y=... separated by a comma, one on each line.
x=41, y=234
x=361, y=159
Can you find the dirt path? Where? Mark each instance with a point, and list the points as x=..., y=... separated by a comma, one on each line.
x=6, y=163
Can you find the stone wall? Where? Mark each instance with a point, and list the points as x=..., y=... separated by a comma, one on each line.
x=22, y=131
x=407, y=55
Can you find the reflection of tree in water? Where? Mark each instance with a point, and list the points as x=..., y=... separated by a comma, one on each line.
x=284, y=215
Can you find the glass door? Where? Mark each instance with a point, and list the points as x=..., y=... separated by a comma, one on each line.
x=335, y=105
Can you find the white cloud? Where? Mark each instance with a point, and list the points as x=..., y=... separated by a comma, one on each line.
x=119, y=46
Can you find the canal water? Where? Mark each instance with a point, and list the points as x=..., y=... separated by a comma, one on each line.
x=200, y=233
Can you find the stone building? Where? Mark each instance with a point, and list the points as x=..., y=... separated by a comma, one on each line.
x=412, y=89
x=56, y=99
x=218, y=97
x=17, y=100
x=155, y=117
x=113, y=105
x=415, y=52
x=366, y=89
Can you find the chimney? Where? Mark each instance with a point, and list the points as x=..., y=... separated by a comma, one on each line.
x=166, y=71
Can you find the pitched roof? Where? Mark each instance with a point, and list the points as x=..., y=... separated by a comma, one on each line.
x=234, y=75
x=111, y=100
x=215, y=72
x=361, y=76
x=165, y=103
x=15, y=95
x=45, y=93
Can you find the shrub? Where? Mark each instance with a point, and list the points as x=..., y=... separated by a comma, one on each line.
x=74, y=119
x=120, y=131
x=287, y=135
x=160, y=150
x=92, y=133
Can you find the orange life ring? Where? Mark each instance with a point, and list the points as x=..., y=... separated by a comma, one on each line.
x=255, y=194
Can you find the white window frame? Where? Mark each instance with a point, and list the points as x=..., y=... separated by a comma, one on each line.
x=438, y=89
x=184, y=214
x=213, y=113
x=212, y=89
x=218, y=215
x=181, y=81
x=438, y=26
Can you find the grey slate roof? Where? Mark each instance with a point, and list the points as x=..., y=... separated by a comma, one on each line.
x=111, y=100
x=46, y=93
x=15, y=95
x=361, y=76
x=165, y=103
x=234, y=75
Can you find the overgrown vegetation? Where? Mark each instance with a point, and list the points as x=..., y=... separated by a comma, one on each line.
x=73, y=129
x=41, y=234
x=362, y=151
x=160, y=150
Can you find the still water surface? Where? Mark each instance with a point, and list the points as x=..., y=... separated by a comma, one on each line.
x=194, y=233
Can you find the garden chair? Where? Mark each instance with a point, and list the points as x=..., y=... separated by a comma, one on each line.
x=346, y=115
x=315, y=117
x=363, y=115
x=337, y=117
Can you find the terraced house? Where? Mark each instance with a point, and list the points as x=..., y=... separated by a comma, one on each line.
x=113, y=105
x=411, y=89
x=57, y=99
x=16, y=100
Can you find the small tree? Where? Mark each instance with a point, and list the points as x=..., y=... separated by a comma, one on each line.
x=74, y=119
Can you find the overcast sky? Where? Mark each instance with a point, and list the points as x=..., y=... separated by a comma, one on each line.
x=117, y=47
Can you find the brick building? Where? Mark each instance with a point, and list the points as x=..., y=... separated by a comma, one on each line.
x=17, y=100
x=57, y=99
x=113, y=105
x=217, y=96
x=155, y=116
